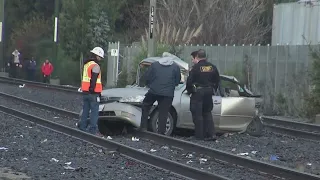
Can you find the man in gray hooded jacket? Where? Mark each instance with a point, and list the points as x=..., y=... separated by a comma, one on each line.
x=162, y=77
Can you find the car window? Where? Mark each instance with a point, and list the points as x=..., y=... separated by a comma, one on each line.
x=229, y=89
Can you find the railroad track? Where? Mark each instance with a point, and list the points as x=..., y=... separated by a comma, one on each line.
x=296, y=129
x=69, y=89
x=268, y=169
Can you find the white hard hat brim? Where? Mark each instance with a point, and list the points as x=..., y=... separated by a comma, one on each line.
x=92, y=51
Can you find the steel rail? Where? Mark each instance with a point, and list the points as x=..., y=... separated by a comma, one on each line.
x=286, y=123
x=38, y=84
x=138, y=155
x=294, y=132
x=292, y=128
x=189, y=146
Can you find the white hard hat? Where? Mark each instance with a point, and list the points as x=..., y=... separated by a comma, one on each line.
x=98, y=51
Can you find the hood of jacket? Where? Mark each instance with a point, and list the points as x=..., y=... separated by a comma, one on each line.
x=166, y=61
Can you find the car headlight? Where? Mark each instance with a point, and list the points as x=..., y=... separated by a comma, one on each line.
x=132, y=99
x=104, y=98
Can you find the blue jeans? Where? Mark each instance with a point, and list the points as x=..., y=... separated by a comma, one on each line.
x=90, y=103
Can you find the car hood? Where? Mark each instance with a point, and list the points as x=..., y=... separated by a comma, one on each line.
x=125, y=92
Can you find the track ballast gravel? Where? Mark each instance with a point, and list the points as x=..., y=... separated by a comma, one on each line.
x=189, y=158
x=292, y=152
x=41, y=154
x=63, y=100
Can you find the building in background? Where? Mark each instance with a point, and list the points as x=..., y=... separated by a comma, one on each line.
x=296, y=23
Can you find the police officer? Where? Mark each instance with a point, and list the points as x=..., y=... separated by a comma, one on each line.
x=202, y=81
x=91, y=87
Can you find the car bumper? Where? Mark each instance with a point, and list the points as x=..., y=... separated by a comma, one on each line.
x=117, y=111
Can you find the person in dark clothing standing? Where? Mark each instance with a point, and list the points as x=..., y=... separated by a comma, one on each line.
x=203, y=79
x=31, y=69
x=162, y=77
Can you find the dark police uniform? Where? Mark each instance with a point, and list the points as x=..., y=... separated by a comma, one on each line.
x=203, y=78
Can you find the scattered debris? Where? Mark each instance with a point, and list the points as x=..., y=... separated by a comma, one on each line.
x=134, y=139
x=54, y=160
x=254, y=152
x=202, y=160
x=69, y=168
x=165, y=147
x=189, y=156
x=274, y=158
x=243, y=154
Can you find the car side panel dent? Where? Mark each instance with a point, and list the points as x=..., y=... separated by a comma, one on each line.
x=126, y=112
x=236, y=113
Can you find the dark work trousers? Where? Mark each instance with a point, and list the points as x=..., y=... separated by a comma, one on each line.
x=31, y=74
x=164, y=104
x=46, y=79
x=90, y=102
x=201, y=105
x=15, y=70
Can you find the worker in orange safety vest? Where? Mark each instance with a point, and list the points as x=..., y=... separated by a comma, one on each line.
x=91, y=88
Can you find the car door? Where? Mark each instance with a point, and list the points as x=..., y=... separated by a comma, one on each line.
x=185, y=117
x=236, y=111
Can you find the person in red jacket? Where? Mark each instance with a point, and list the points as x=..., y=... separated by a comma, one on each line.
x=47, y=69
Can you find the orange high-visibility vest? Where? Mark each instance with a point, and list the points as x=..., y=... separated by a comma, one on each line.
x=86, y=77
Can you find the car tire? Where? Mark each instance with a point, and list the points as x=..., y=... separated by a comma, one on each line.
x=255, y=128
x=102, y=126
x=154, y=120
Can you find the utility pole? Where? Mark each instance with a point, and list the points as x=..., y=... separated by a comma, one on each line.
x=55, y=37
x=151, y=34
x=2, y=62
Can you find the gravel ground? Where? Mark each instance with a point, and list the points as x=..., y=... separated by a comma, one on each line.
x=64, y=100
x=31, y=149
x=173, y=154
x=28, y=108
x=292, y=152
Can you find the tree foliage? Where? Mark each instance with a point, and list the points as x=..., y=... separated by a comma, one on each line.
x=29, y=34
x=83, y=25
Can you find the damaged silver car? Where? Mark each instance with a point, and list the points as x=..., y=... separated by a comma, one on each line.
x=236, y=109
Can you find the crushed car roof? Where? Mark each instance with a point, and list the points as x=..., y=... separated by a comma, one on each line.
x=175, y=59
x=180, y=63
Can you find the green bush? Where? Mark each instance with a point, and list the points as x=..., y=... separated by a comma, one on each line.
x=312, y=106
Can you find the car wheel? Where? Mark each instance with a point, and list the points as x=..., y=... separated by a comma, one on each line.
x=255, y=128
x=153, y=123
